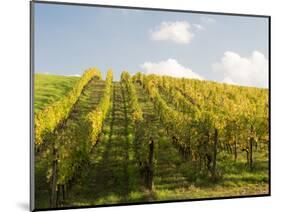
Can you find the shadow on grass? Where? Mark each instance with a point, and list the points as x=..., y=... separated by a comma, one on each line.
x=108, y=177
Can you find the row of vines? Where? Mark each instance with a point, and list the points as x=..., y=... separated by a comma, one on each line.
x=204, y=119
x=70, y=141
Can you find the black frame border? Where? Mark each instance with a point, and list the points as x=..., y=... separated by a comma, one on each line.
x=31, y=102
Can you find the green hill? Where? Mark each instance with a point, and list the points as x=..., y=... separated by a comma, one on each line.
x=50, y=88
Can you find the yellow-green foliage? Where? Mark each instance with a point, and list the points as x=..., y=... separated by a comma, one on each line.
x=197, y=109
x=137, y=114
x=97, y=117
x=46, y=120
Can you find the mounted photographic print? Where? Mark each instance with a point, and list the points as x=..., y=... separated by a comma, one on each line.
x=137, y=105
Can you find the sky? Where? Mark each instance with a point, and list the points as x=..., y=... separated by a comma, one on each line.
x=222, y=48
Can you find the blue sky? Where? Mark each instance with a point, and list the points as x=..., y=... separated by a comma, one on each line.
x=231, y=49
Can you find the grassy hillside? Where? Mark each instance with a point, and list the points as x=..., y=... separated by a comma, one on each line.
x=180, y=118
x=50, y=88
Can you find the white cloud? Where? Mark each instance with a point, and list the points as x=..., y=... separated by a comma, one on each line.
x=169, y=67
x=74, y=75
x=251, y=71
x=178, y=32
x=207, y=20
x=198, y=26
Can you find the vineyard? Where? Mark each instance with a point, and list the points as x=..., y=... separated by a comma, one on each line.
x=147, y=138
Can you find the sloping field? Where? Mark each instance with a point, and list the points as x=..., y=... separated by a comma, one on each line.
x=161, y=139
x=50, y=88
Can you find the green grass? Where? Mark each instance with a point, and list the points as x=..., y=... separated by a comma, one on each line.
x=50, y=88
